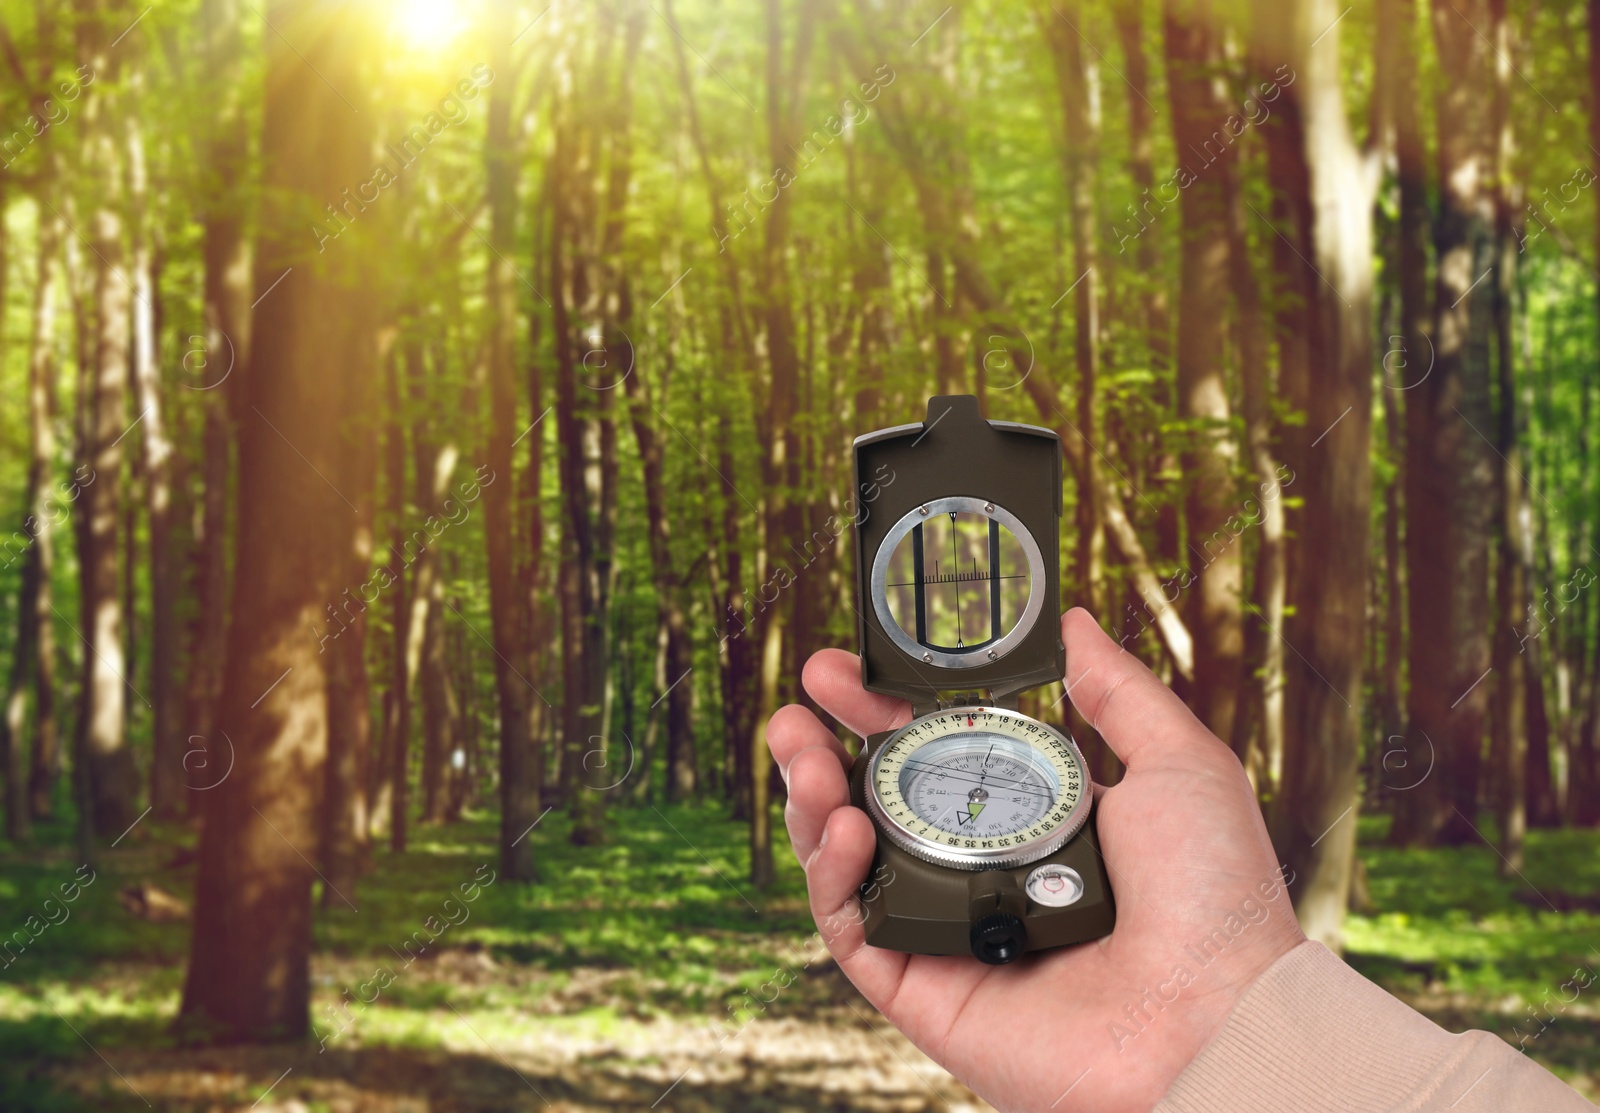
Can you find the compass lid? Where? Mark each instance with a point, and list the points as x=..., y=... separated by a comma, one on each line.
x=958, y=581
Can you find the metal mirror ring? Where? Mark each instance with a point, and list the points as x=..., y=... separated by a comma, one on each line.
x=990, y=651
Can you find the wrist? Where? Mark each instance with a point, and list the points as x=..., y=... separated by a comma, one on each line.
x=1165, y=1026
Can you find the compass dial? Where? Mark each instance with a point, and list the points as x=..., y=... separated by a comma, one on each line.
x=979, y=787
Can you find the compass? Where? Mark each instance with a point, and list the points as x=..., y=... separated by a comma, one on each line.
x=984, y=814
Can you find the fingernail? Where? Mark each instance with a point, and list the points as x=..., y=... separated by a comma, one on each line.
x=823, y=841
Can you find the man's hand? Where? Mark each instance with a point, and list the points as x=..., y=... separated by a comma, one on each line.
x=1105, y=1026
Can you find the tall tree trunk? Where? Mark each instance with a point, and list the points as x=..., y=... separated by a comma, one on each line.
x=396, y=770
x=249, y=968
x=111, y=770
x=1515, y=550
x=682, y=774
x=521, y=763
x=1152, y=286
x=1412, y=366
x=45, y=765
x=440, y=716
x=1543, y=808
x=432, y=464
x=166, y=758
x=217, y=366
x=736, y=651
x=80, y=284
x=576, y=543
x=346, y=828
x=1450, y=481
x=1080, y=153
x=27, y=785
x=1583, y=797
x=14, y=712
x=1212, y=611
x=1315, y=809
x=603, y=765
x=1263, y=760
x=784, y=85
x=536, y=580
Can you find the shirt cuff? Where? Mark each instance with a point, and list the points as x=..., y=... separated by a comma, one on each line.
x=1314, y=1036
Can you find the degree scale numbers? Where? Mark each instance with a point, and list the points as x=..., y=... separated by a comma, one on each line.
x=979, y=787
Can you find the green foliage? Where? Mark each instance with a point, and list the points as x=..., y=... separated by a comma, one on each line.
x=654, y=926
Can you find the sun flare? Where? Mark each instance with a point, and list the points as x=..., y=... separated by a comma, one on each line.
x=425, y=23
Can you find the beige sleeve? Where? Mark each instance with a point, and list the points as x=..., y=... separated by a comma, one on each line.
x=1314, y=1036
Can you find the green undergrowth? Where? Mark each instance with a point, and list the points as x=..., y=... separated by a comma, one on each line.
x=659, y=922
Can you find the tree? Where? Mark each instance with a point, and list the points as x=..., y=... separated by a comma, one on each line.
x=1314, y=826
x=521, y=760
x=218, y=364
x=1205, y=153
x=111, y=773
x=1451, y=480
x=248, y=974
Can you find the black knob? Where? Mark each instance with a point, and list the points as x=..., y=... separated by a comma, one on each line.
x=998, y=938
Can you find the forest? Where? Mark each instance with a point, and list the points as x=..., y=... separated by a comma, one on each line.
x=525, y=344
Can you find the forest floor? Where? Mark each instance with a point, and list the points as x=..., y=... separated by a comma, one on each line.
x=632, y=977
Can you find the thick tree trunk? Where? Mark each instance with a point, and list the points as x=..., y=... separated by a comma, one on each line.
x=1450, y=481
x=249, y=975
x=1212, y=610
x=1314, y=817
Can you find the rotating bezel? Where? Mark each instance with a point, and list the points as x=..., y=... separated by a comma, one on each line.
x=978, y=858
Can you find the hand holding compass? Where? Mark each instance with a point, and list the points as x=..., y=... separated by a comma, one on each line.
x=1184, y=845
x=1182, y=835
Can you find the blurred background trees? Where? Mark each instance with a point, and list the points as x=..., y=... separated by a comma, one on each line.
x=422, y=410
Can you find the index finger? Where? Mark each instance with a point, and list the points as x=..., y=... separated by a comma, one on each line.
x=1142, y=720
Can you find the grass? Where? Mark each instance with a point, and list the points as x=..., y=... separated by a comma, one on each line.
x=653, y=937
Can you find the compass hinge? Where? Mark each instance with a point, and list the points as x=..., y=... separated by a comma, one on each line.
x=965, y=699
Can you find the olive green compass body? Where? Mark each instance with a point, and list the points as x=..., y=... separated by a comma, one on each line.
x=984, y=815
